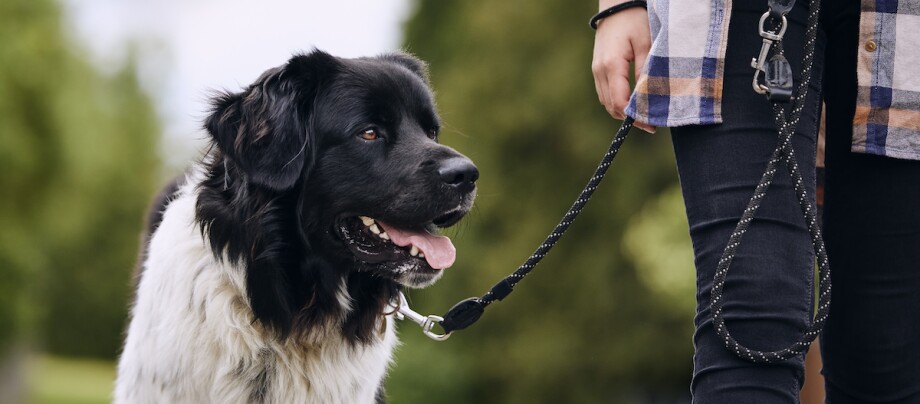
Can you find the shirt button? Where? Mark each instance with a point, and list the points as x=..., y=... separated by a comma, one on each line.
x=871, y=45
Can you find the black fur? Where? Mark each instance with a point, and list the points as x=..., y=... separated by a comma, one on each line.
x=287, y=164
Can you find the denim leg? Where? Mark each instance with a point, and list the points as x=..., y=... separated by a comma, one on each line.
x=871, y=343
x=768, y=290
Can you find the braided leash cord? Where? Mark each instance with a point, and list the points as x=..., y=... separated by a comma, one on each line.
x=500, y=290
x=784, y=152
x=468, y=311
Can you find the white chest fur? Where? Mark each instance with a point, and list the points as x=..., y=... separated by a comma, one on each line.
x=192, y=337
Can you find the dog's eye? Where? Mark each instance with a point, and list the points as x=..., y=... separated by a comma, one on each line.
x=369, y=134
x=433, y=133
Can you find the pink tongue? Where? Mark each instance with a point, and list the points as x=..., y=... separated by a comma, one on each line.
x=439, y=250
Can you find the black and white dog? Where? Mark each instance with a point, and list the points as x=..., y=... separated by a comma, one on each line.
x=270, y=275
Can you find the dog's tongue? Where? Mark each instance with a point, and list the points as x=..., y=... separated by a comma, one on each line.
x=439, y=250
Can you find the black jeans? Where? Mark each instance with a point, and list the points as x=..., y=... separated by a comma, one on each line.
x=871, y=343
x=872, y=219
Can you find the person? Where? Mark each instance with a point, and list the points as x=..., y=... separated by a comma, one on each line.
x=692, y=62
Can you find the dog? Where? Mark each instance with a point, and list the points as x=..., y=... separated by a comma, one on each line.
x=274, y=266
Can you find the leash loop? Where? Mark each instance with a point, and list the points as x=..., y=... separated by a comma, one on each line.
x=784, y=153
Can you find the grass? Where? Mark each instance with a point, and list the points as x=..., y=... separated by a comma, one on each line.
x=56, y=380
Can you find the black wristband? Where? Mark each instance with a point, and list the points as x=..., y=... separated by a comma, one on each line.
x=615, y=9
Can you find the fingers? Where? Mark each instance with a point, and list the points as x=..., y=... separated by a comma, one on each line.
x=611, y=80
x=645, y=127
x=618, y=88
x=620, y=40
x=612, y=85
x=600, y=84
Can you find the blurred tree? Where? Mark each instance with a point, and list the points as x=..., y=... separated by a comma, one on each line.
x=77, y=165
x=516, y=93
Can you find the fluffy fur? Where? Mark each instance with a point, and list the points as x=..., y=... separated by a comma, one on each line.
x=260, y=284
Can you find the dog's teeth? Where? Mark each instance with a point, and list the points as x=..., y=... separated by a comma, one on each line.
x=366, y=220
x=421, y=255
x=384, y=235
x=374, y=228
x=414, y=251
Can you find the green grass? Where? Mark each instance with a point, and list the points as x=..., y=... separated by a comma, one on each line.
x=55, y=380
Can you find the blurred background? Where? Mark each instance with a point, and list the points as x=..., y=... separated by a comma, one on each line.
x=101, y=103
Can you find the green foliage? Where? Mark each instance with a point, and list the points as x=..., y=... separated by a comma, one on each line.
x=658, y=242
x=515, y=91
x=57, y=380
x=77, y=166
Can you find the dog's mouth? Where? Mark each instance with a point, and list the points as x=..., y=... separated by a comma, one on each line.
x=414, y=257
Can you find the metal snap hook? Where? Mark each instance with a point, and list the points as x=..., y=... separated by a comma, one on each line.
x=768, y=39
x=426, y=322
x=429, y=323
x=772, y=35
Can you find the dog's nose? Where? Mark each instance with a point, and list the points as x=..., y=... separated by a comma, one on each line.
x=459, y=172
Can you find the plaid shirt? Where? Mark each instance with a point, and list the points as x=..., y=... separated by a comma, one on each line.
x=682, y=81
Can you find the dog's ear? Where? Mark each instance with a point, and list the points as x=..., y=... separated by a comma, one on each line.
x=264, y=129
x=414, y=64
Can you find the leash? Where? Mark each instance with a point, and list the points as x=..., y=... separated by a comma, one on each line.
x=778, y=88
x=778, y=76
x=468, y=311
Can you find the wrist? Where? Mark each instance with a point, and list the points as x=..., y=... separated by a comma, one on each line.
x=605, y=4
x=617, y=7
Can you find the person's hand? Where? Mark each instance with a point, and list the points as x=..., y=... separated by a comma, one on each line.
x=620, y=39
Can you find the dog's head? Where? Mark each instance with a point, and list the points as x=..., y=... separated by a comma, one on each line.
x=337, y=162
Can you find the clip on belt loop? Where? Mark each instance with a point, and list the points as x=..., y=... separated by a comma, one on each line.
x=779, y=79
x=777, y=71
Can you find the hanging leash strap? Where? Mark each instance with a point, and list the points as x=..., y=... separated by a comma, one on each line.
x=777, y=87
x=786, y=126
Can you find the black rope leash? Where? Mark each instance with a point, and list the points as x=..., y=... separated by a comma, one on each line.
x=778, y=89
x=783, y=153
x=466, y=312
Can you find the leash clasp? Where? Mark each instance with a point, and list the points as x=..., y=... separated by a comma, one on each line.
x=426, y=322
x=768, y=39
